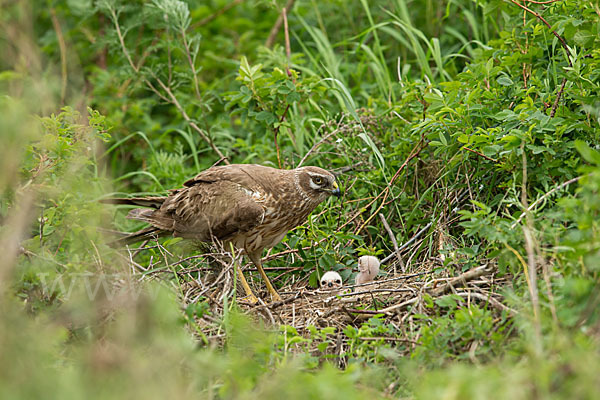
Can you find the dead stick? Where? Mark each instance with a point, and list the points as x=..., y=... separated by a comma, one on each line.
x=495, y=303
x=399, y=306
x=316, y=145
x=275, y=30
x=387, y=228
x=535, y=203
x=405, y=245
x=461, y=279
x=388, y=339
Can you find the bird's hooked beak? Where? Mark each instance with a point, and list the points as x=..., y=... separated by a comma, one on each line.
x=336, y=190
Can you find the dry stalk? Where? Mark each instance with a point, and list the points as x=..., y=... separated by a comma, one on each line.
x=277, y=26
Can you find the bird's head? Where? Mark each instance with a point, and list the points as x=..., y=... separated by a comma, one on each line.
x=331, y=280
x=317, y=183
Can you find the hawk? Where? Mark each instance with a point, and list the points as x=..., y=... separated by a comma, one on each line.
x=248, y=206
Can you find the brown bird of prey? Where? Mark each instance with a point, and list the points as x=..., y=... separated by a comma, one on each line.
x=248, y=206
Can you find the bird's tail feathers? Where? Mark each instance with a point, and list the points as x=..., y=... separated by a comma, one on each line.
x=151, y=202
x=142, y=214
x=148, y=233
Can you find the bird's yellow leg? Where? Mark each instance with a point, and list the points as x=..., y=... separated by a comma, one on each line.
x=257, y=261
x=250, y=297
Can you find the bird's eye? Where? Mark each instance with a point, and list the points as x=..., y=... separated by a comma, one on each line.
x=318, y=180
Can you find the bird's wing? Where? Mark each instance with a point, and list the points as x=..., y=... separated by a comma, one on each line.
x=243, y=174
x=210, y=209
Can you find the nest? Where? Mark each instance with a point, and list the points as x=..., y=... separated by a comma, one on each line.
x=393, y=298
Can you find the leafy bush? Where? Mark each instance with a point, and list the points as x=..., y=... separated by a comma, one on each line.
x=476, y=124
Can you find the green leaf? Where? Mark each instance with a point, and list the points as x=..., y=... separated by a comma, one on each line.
x=505, y=80
x=583, y=37
x=266, y=116
x=590, y=155
x=450, y=301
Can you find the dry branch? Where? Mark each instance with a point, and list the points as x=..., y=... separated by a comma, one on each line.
x=461, y=280
x=275, y=30
x=535, y=203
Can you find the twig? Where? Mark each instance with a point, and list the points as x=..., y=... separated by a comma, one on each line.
x=316, y=145
x=461, y=279
x=191, y=62
x=276, y=132
x=269, y=313
x=275, y=30
x=397, y=278
x=175, y=102
x=388, y=339
x=535, y=203
x=560, y=91
x=347, y=168
x=539, y=16
x=542, y=2
x=399, y=306
x=385, y=192
x=288, y=48
x=495, y=303
x=368, y=312
x=529, y=247
x=549, y=293
x=281, y=302
x=408, y=243
x=387, y=228
x=371, y=291
x=115, y=18
x=41, y=228
x=480, y=154
x=289, y=73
